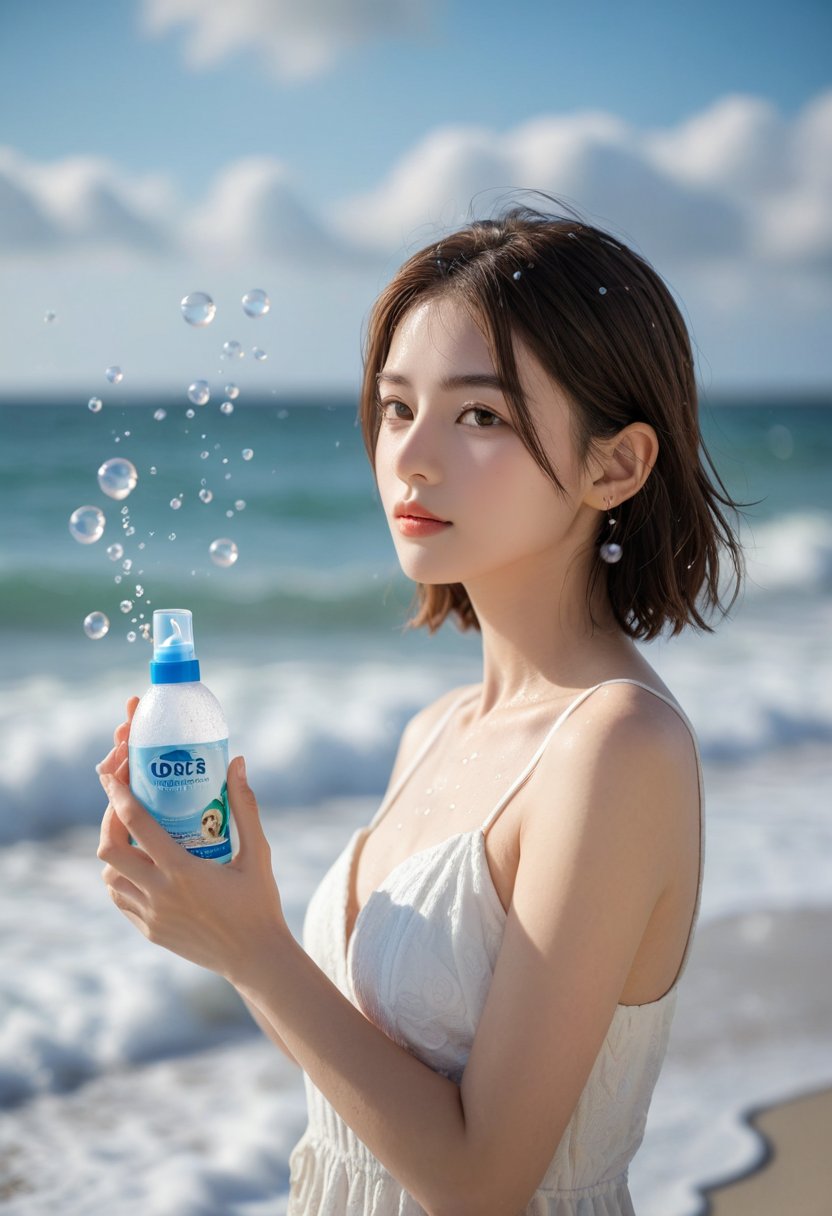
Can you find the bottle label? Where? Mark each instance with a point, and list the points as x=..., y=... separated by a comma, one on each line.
x=184, y=788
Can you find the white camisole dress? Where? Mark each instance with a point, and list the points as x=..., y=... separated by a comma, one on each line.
x=419, y=964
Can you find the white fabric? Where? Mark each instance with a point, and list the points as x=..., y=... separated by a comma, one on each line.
x=419, y=965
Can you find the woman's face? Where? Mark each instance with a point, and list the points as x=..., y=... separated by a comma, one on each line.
x=447, y=449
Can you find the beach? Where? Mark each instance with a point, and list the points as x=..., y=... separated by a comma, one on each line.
x=133, y=1082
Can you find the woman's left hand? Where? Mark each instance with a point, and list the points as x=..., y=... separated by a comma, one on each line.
x=223, y=917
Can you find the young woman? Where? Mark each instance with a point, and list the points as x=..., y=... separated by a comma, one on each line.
x=482, y=1001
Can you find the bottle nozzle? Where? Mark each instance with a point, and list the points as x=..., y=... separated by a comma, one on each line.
x=173, y=647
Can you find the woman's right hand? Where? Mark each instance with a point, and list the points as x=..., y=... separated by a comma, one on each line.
x=115, y=762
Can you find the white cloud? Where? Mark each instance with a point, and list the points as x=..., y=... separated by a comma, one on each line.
x=734, y=206
x=296, y=38
x=80, y=202
x=736, y=181
x=252, y=210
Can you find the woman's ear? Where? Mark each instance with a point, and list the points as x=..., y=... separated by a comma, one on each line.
x=625, y=462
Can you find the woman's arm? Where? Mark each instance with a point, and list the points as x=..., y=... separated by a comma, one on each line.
x=594, y=860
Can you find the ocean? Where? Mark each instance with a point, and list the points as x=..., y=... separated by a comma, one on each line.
x=131, y=1082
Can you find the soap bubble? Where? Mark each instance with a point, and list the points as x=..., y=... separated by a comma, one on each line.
x=127, y=565
x=227, y=407
x=256, y=303
x=189, y=413
x=49, y=316
x=117, y=477
x=232, y=349
x=139, y=590
x=114, y=552
x=171, y=536
x=160, y=414
x=94, y=405
x=240, y=504
x=247, y=453
x=205, y=495
x=87, y=524
x=175, y=504
x=131, y=636
x=199, y=392
x=198, y=308
x=126, y=605
x=204, y=455
x=259, y=355
x=114, y=374
x=129, y=531
x=223, y=552
x=96, y=625
x=232, y=391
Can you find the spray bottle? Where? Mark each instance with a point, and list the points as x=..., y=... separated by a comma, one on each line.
x=178, y=745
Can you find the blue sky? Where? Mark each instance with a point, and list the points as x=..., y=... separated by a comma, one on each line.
x=153, y=145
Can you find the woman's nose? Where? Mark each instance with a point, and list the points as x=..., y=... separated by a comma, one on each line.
x=418, y=456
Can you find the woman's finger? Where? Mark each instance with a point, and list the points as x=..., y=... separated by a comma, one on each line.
x=151, y=836
x=124, y=894
x=121, y=856
x=113, y=759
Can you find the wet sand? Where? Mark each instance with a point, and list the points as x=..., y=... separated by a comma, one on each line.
x=795, y=1174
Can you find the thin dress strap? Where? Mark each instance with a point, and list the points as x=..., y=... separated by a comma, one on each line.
x=530, y=767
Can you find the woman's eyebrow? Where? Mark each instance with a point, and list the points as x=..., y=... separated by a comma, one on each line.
x=469, y=380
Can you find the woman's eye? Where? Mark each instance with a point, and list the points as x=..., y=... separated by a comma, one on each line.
x=478, y=416
x=394, y=410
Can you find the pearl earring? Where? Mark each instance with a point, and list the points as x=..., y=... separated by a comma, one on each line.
x=610, y=551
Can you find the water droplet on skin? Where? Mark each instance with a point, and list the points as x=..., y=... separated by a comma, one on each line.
x=117, y=477
x=175, y=503
x=205, y=495
x=259, y=354
x=199, y=392
x=114, y=374
x=232, y=349
x=86, y=524
x=223, y=552
x=49, y=316
x=94, y=405
x=96, y=625
x=247, y=453
x=160, y=415
x=256, y=303
x=126, y=605
x=131, y=636
x=232, y=391
x=198, y=308
x=114, y=552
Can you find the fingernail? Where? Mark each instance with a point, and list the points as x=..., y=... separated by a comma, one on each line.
x=241, y=768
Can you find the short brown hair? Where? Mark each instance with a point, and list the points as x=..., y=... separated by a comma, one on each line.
x=605, y=327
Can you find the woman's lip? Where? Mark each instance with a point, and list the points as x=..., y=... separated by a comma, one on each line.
x=412, y=511
x=420, y=525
